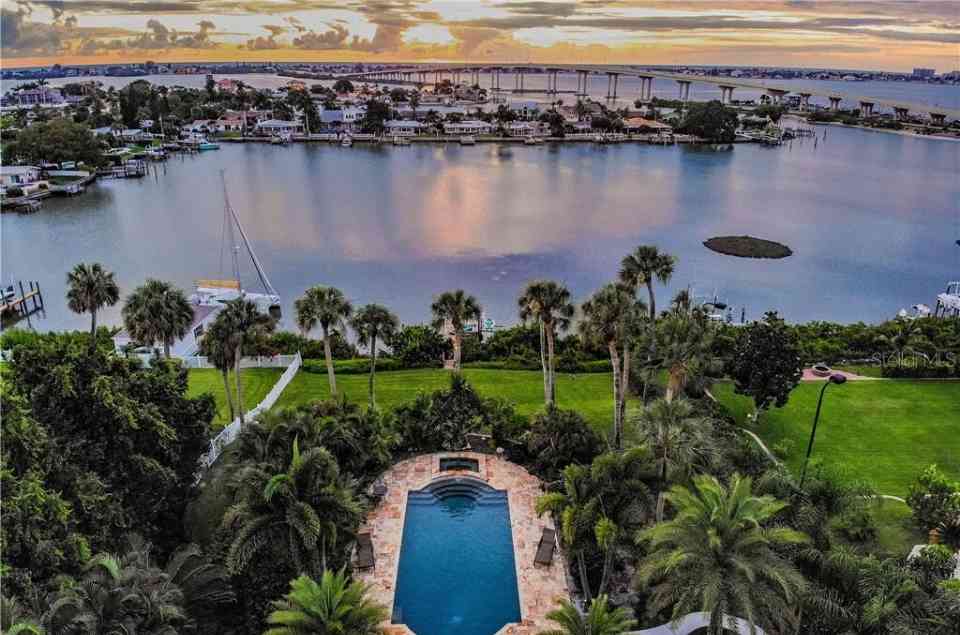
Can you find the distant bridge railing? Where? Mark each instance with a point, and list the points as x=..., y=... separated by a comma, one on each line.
x=229, y=434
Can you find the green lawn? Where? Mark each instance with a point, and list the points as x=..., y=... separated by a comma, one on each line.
x=257, y=382
x=590, y=393
x=884, y=431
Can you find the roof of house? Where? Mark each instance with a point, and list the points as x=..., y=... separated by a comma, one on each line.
x=403, y=123
x=277, y=123
x=640, y=122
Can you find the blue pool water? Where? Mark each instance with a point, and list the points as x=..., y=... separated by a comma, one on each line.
x=457, y=572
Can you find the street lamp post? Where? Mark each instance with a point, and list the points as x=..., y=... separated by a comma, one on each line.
x=836, y=378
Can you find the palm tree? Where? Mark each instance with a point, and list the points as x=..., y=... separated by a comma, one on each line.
x=601, y=619
x=716, y=555
x=246, y=323
x=678, y=440
x=455, y=307
x=329, y=308
x=598, y=506
x=157, y=312
x=302, y=512
x=217, y=345
x=610, y=317
x=684, y=348
x=373, y=322
x=89, y=288
x=205, y=585
x=332, y=606
x=642, y=267
x=549, y=304
x=119, y=594
x=15, y=618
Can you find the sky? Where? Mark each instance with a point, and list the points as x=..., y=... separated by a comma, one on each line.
x=895, y=35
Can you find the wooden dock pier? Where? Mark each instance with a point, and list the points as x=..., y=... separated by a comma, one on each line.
x=28, y=302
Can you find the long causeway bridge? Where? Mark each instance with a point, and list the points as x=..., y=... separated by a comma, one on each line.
x=420, y=74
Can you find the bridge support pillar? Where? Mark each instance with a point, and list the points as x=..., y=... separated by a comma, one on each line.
x=938, y=119
x=804, y=102
x=583, y=79
x=776, y=95
x=684, y=90
x=518, y=81
x=901, y=113
x=834, y=104
x=476, y=77
x=646, y=88
x=866, y=109
x=726, y=95
x=612, y=80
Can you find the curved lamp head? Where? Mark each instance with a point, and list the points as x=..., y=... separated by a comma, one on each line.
x=837, y=378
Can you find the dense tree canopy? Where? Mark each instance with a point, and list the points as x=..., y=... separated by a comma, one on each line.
x=56, y=141
x=711, y=121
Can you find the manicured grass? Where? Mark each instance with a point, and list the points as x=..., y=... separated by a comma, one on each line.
x=591, y=394
x=883, y=431
x=866, y=370
x=257, y=382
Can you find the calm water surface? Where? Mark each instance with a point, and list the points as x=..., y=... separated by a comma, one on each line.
x=872, y=219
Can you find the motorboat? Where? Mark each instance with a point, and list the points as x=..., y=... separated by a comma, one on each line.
x=467, y=140
x=401, y=141
x=346, y=142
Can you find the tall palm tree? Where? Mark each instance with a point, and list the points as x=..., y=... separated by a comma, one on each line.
x=600, y=619
x=610, y=318
x=157, y=312
x=644, y=265
x=641, y=267
x=328, y=307
x=217, y=345
x=246, y=323
x=457, y=308
x=677, y=437
x=719, y=555
x=335, y=605
x=374, y=322
x=302, y=511
x=90, y=288
x=548, y=303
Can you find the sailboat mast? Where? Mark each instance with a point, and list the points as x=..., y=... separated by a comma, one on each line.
x=228, y=219
x=246, y=242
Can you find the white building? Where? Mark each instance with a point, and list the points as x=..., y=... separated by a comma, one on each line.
x=470, y=127
x=348, y=117
x=22, y=176
x=403, y=128
x=278, y=127
x=526, y=129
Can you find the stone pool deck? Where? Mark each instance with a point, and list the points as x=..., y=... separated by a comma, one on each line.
x=539, y=586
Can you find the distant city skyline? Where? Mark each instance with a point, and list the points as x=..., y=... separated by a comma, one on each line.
x=895, y=35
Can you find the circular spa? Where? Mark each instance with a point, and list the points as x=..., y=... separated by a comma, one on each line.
x=457, y=572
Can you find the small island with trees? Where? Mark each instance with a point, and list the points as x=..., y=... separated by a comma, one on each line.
x=747, y=247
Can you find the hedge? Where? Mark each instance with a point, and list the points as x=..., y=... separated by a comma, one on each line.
x=936, y=371
x=359, y=366
x=563, y=366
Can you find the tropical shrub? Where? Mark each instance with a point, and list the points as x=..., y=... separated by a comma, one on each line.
x=558, y=438
x=335, y=605
x=932, y=565
x=441, y=420
x=933, y=498
x=419, y=346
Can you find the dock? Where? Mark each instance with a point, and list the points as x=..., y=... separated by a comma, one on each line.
x=27, y=302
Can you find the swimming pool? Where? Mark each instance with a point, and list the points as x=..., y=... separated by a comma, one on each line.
x=457, y=571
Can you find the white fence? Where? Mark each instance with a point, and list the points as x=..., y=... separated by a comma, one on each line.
x=260, y=361
x=231, y=431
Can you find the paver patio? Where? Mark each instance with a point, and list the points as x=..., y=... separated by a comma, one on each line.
x=539, y=586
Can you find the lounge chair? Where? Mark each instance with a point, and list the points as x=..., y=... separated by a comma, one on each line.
x=365, y=559
x=548, y=542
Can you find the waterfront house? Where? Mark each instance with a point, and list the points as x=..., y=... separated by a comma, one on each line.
x=346, y=118
x=526, y=129
x=403, y=127
x=228, y=85
x=277, y=127
x=45, y=95
x=642, y=125
x=469, y=127
x=189, y=344
x=26, y=177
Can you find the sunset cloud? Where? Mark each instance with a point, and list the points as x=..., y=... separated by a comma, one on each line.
x=896, y=34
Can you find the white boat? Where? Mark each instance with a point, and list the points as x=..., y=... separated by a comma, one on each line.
x=401, y=141
x=467, y=140
x=346, y=142
x=533, y=141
